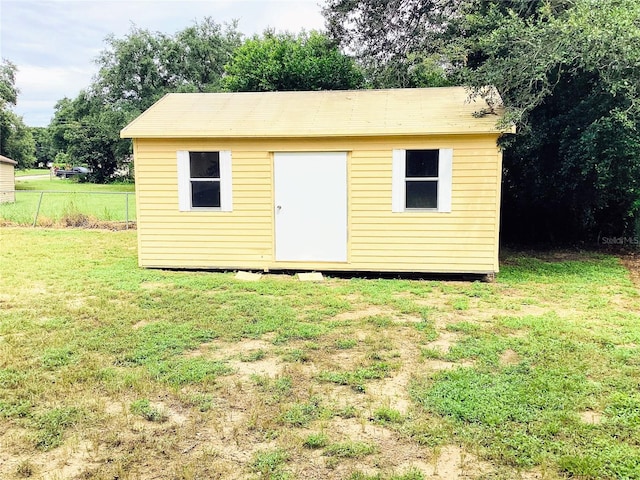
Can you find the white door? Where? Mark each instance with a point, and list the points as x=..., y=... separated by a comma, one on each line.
x=311, y=206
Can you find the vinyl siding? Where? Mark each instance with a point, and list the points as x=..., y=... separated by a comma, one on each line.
x=463, y=241
x=7, y=183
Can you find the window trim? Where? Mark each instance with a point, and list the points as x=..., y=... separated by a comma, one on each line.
x=184, y=182
x=399, y=181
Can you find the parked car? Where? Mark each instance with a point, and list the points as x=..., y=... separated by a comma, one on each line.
x=72, y=172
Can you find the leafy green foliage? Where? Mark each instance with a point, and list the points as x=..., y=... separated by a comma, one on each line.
x=349, y=450
x=143, y=408
x=316, y=440
x=512, y=396
x=45, y=151
x=346, y=343
x=582, y=117
x=356, y=378
x=135, y=72
x=8, y=90
x=567, y=73
x=16, y=141
x=387, y=415
x=52, y=424
x=396, y=41
x=276, y=62
x=269, y=464
x=57, y=357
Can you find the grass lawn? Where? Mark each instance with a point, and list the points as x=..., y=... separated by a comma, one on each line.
x=32, y=171
x=69, y=203
x=110, y=371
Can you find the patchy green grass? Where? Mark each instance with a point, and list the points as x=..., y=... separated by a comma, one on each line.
x=69, y=203
x=32, y=171
x=316, y=440
x=358, y=378
x=119, y=370
x=269, y=464
x=143, y=408
x=349, y=449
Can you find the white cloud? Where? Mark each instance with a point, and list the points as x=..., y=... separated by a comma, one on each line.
x=54, y=42
x=38, y=82
x=304, y=15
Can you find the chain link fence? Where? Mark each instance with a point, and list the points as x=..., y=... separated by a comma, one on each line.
x=50, y=208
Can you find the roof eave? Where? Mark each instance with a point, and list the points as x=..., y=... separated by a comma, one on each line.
x=133, y=135
x=7, y=160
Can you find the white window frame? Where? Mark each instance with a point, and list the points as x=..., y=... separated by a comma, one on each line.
x=184, y=183
x=399, y=181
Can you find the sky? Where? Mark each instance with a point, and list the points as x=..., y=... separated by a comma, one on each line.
x=54, y=42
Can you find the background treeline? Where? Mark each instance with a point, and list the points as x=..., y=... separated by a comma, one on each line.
x=137, y=70
x=568, y=72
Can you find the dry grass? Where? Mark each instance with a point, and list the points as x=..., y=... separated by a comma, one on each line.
x=108, y=371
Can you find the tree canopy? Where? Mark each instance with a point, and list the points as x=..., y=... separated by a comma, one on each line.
x=16, y=141
x=308, y=61
x=136, y=71
x=568, y=72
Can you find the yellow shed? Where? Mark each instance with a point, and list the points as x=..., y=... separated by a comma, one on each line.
x=398, y=180
x=7, y=180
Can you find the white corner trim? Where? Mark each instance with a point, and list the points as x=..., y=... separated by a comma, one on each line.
x=184, y=186
x=445, y=179
x=397, y=180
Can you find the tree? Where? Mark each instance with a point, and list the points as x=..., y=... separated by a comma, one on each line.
x=8, y=91
x=568, y=73
x=86, y=131
x=571, y=79
x=206, y=48
x=16, y=141
x=399, y=43
x=45, y=151
x=291, y=62
x=135, y=72
x=391, y=38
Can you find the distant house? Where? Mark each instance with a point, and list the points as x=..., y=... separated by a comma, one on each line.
x=399, y=180
x=7, y=180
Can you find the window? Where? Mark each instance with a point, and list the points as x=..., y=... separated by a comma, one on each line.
x=422, y=180
x=204, y=180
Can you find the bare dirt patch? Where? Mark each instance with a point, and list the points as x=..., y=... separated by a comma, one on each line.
x=632, y=263
x=267, y=366
x=172, y=414
x=439, y=365
x=154, y=285
x=112, y=407
x=221, y=350
x=591, y=417
x=359, y=314
x=140, y=324
x=394, y=391
x=509, y=357
x=453, y=462
x=69, y=462
x=444, y=342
